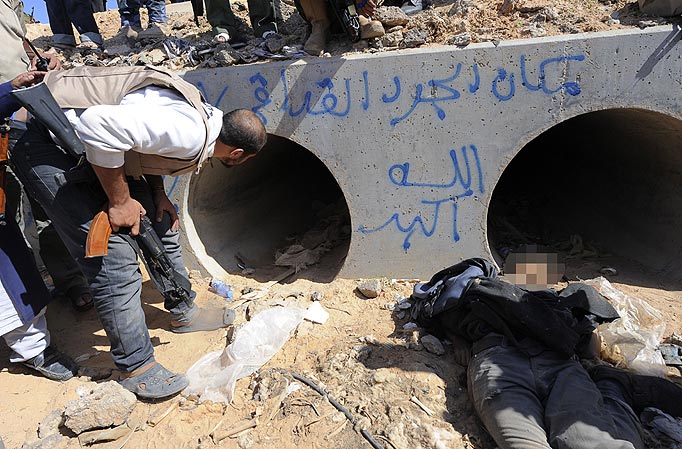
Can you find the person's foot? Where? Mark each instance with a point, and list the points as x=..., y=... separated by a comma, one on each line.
x=89, y=46
x=53, y=364
x=153, y=381
x=155, y=30
x=205, y=320
x=235, y=40
x=412, y=6
x=130, y=31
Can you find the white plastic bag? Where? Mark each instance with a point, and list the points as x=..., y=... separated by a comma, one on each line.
x=632, y=340
x=213, y=377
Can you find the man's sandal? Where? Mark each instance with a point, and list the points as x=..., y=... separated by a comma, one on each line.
x=155, y=382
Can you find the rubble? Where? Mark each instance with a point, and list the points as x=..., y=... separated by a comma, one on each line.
x=370, y=288
x=104, y=405
x=432, y=344
x=391, y=16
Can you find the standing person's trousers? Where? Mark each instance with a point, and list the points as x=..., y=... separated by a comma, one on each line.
x=130, y=11
x=222, y=19
x=62, y=13
x=544, y=400
x=115, y=280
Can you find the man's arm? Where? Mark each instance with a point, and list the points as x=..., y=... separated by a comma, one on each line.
x=124, y=211
x=161, y=201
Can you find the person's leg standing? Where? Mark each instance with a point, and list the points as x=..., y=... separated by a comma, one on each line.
x=157, y=11
x=503, y=389
x=129, y=10
x=263, y=16
x=62, y=33
x=219, y=14
x=80, y=14
x=115, y=280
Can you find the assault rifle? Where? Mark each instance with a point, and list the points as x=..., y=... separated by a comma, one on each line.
x=173, y=286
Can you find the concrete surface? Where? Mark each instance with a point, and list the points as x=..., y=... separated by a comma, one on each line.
x=417, y=142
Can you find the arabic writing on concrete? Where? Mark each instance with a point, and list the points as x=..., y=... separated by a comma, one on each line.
x=466, y=171
x=337, y=98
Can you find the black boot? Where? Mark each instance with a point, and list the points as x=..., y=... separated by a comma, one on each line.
x=643, y=391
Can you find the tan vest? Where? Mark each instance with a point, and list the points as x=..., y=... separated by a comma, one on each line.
x=83, y=87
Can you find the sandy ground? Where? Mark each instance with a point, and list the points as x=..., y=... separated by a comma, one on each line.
x=361, y=355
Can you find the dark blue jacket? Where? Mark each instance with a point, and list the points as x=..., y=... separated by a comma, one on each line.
x=8, y=105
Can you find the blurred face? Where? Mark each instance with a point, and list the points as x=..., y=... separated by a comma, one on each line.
x=533, y=271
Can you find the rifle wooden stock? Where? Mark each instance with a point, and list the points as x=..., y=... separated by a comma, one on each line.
x=4, y=145
x=97, y=243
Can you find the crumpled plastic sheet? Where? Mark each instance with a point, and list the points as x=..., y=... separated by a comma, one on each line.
x=632, y=340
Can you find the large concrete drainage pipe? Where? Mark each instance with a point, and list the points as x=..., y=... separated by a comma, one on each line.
x=612, y=177
x=248, y=214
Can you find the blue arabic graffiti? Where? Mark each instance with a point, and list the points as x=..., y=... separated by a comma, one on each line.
x=338, y=98
x=398, y=174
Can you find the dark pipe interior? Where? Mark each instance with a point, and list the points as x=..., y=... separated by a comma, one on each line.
x=264, y=205
x=614, y=177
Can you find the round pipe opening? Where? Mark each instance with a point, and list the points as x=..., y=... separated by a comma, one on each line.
x=282, y=208
x=609, y=181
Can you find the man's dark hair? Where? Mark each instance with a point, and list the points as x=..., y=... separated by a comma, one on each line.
x=243, y=129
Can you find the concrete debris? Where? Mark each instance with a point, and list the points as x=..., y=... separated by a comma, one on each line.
x=370, y=28
x=393, y=39
x=415, y=38
x=51, y=423
x=370, y=288
x=225, y=55
x=432, y=344
x=461, y=40
x=548, y=14
x=460, y=8
x=391, y=16
x=157, y=56
x=105, y=405
x=534, y=30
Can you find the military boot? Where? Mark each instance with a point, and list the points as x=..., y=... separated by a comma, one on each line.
x=316, y=13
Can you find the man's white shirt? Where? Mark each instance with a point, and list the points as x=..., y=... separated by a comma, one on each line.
x=152, y=120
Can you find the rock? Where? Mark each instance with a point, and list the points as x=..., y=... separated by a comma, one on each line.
x=50, y=424
x=157, y=56
x=383, y=375
x=370, y=288
x=460, y=8
x=547, y=15
x=433, y=345
x=54, y=441
x=414, y=38
x=118, y=50
x=508, y=7
x=534, y=30
x=316, y=296
x=613, y=22
x=245, y=441
x=370, y=28
x=392, y=39
x=360, y=45
x=394, y=29
x=391, y=16
x=274, y=43
x=143, y=58
x=225, y=55
x=107, y=404
x=461, y=40
x=646, y=23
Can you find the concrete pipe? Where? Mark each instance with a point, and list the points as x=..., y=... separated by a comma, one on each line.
x=424, y=154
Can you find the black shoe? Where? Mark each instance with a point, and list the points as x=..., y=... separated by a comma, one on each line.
x=643, y=391
x=53, y=364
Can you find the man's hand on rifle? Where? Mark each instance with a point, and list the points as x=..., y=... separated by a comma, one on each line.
x=27, y=79
x=163, y=204
x=126, y=214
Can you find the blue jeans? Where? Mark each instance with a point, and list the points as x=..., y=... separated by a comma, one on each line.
x=63, y=13
x=537, y=399
x=130, y=11
x=115, y=280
